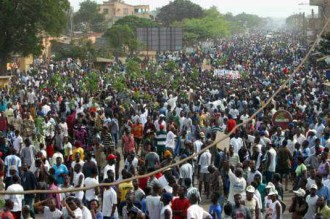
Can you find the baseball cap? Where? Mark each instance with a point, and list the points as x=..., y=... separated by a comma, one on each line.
x=314, y=186
x=300, y=192
x=167, y=196
x=111, y=157
x=250, y=189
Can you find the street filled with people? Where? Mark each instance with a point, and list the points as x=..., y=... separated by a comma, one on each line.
x=58, y=133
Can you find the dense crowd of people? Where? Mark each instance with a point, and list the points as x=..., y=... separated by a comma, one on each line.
x=55, y=139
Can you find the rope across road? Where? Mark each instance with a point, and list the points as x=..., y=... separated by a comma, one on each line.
x=283, y=85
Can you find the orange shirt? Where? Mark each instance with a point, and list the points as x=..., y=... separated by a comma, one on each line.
x=137, y=130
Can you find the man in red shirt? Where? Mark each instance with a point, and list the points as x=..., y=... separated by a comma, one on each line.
x=180, y=205
x=231, y=123
x=3, y=123
x=6, y=211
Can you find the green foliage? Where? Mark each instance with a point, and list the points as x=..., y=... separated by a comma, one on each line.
x=249, y=20
x=178, y=10
x=133, y=69
x=92, y=82
x=82, y=49
x=244, y=75
x=136, y=22
x=22, y=22
x=194, y=74
x=88, y=17
x=119, y=83
x=324, y=46
x=296, y=21
x=170, y=67
x=243, y=21
x=211, y=26
x=56, y=82
x=121, y=37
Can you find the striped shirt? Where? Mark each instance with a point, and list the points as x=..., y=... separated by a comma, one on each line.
x=107, y=140
x=161, y=139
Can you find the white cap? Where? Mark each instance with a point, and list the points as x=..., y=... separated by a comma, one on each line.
x=300, y=192
x=250, y=189
x=314, y=186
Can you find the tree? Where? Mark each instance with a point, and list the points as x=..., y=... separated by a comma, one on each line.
x=211, y=26
x=296, y=21
x=82, y=49
x=88, y=17
x=121, y=37
x=324, y=46
x=136, y=22
x=22, y=24
x=249, y=20
x=179, y=10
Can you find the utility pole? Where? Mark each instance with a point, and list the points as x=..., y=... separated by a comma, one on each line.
x=71, y=23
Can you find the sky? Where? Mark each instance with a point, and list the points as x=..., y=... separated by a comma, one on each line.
x=263, y=8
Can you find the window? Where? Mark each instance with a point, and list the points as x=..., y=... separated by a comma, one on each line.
x=125, y=11
x=105, y=11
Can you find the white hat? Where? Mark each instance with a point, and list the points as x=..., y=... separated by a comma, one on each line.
x=273, y=192
x=250, y=189
x=314, y=186
x=300, y=192
x=270, y=185
x=313, y=131
x=161, y=115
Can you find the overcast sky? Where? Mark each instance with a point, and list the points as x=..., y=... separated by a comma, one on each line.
x=264, y=8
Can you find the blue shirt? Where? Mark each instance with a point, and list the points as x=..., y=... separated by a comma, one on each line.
x=215, y=211
x=99, y=215
x=325, y=192
x=59, y=170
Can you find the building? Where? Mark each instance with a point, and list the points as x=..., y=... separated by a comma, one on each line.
x=318, y=19
x=116, y=9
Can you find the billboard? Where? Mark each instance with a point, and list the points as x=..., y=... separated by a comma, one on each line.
x=160, y=38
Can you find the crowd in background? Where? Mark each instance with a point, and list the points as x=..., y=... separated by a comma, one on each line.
x=55, y=139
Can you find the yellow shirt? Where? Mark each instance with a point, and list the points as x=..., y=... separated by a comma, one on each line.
x=123, y=189
x=325, y=211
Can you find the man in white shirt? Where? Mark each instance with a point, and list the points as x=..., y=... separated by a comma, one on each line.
x=198, y=143
x=236, y=142
x=170, y=140
x=195, y=211
x=14, y=162
x=18, y=142
x=91, y=194
x=203, y=173
x=45, y=109
x=16, y=199
x=110, y=166
x=185, y=170
x=237, y=184
x=298, y=137
x=71, y=210
x=109, y=202
x=271, y=157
